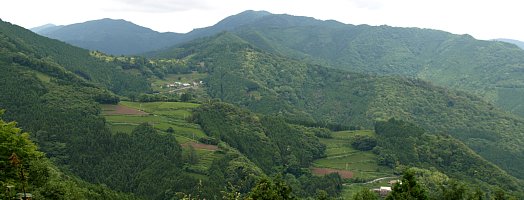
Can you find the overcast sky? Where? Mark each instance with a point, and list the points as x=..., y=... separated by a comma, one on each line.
x=484, y=19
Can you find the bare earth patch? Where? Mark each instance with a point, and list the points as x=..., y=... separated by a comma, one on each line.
x=324, y=171
x=108, y=109
x=201, y=146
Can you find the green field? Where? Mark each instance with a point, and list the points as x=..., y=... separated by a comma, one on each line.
x=162, y=115
x=341, y=155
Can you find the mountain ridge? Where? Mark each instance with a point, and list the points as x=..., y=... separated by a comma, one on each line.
x=512, y=41
x=112, y=36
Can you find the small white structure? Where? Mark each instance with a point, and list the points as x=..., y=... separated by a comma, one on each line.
x=382, y=191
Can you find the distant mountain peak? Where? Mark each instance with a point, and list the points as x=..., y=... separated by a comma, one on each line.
x=512, y=41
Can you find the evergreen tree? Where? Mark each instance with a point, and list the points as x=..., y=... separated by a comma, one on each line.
x=408, y=189
x=267, y=190
x=365, y=194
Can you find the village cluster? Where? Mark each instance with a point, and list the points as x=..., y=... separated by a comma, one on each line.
x=180, y=85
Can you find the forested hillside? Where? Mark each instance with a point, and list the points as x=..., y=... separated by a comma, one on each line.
x=252, y=128
x=24, y=168
x=45, y=55
x=406, y=144
x=60, y=110
x=490, y=69
x=240, y=73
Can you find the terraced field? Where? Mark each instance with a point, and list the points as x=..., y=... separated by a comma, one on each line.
x=362, y=165
x=125, y=116
x=161, y=115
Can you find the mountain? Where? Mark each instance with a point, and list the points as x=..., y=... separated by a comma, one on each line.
x=268, y=83
x=45, y=28
x=490, y=69
x=54, y=90
x=111, y=36
x=515, y=42
x=61, y=111
x=120, y=37
x=51, y=56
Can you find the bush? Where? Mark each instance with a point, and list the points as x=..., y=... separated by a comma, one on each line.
x=364, y=142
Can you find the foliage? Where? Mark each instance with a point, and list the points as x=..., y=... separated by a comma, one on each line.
x=267, y=83
x=24, y=168
x=63, y=61
x=404, y=143
x=408, y=188
x=259, y=138
x=271, y=190
x=364, y=142
x=365, y=194
x=455, y=61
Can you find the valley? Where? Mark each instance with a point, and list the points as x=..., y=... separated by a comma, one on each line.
x=258, y=104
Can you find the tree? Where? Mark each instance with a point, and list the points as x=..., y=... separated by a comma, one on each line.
x=365, y=194
x=170, y=130
x=454, y=190
x=408, y=189
x=321, y=195
x=192, y=156
x=267, y=190
x=364, y=142
x=477, y=195
x=185, y=97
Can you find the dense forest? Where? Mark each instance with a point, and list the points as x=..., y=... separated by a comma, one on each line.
x=267, y=106
x=267, y=83
x=489, y=69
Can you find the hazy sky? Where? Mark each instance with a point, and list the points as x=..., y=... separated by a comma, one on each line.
x=484, y=19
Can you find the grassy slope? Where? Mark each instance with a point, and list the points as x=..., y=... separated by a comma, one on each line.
x=341, y=155
x=363, y=164
x=164, y=115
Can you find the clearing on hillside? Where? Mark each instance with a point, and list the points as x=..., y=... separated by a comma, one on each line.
x=109, y=109
x=324, y=171
x=201, y=146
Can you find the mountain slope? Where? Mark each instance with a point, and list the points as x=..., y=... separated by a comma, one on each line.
x=61, y=111
x=120, y=37
x=490, y=69
x=46, y=55
x=112, y=36
x=515, y=42
x=263, y=82
x=43, y=179
x=45, y=28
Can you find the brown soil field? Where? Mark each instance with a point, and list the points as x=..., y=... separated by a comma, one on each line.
x=202, y=146
x=324, y=171
x=121, y=110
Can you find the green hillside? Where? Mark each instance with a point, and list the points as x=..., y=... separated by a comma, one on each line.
x=257, y=121
x=61, y=111
x=263, y=82
x=53, y=57
x=486, y=68
x=24, y=168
